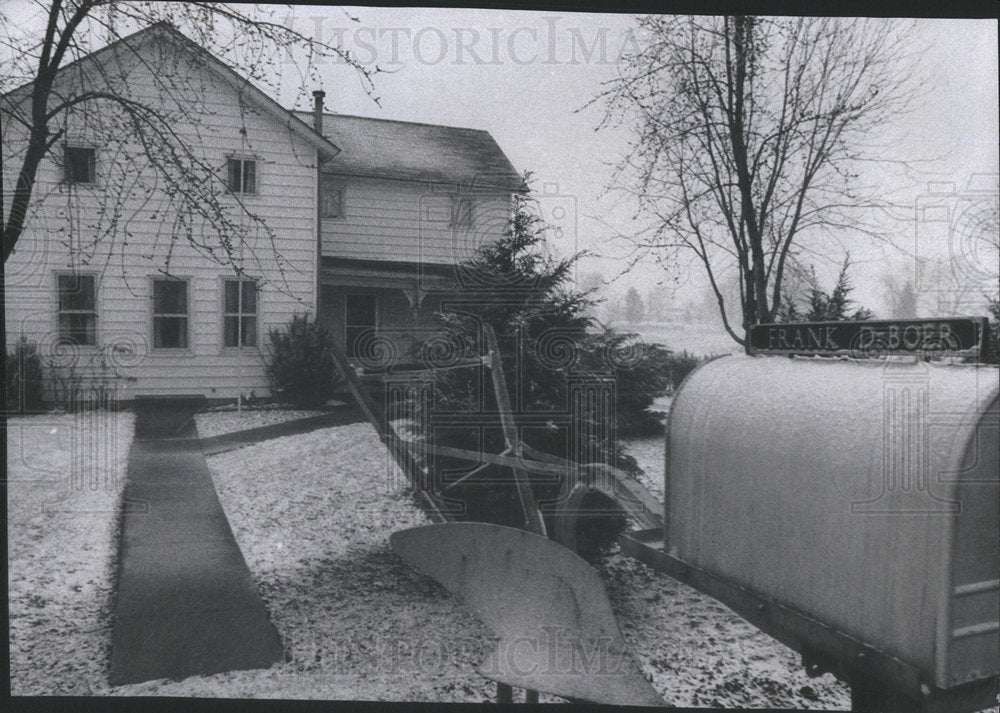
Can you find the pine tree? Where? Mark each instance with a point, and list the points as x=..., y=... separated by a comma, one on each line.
x=549, y=344
x=834, y=306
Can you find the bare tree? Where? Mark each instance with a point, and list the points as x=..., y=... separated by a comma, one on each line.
x=45, y=84
x=748, y=134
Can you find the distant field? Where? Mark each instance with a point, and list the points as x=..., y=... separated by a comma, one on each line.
x=699, y=339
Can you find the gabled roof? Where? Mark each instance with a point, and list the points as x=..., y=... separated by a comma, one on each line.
x=356, y=145
x=166, y=31
x=417, y=152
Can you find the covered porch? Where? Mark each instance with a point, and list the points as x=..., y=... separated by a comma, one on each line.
x=380, y=312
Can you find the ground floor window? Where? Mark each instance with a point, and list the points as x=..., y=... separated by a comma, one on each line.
x=170, y=314
x=361, y=315
x=239, y=313
x=77, y=309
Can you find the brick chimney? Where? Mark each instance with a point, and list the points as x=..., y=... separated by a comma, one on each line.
x=318, y=110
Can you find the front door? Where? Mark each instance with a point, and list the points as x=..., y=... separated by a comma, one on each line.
x=360, y=317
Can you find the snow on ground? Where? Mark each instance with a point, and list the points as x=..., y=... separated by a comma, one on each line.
x=648, y=452
x=65, y=473
x=313, y=513
x=216, y=422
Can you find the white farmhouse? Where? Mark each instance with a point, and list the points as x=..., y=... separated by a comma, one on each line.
x=165, y=272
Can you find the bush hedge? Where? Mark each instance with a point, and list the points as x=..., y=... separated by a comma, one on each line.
x=300, y=364
x=24, y=381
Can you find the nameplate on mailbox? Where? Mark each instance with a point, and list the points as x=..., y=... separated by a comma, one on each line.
x=963, y=335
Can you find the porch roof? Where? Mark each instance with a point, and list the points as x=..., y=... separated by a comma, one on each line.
x=384, y=274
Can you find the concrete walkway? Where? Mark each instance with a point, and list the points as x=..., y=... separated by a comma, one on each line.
x=186, y=602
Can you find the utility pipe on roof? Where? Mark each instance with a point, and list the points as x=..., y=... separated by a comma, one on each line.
x=318, y=96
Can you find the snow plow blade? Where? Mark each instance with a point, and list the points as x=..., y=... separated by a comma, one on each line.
x=546, y=606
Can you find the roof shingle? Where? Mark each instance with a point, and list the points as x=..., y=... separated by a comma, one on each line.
x=419, y=152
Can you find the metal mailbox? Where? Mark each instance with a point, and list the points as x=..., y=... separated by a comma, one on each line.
x=860, y=495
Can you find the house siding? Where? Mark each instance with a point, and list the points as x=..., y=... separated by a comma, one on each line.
x=64, y=225
x=408, y=221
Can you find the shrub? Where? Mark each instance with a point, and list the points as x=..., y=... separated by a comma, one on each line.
x=300, y=364
x=680, y=365
x=76, y=386
x=24, y=381
x=993, y=347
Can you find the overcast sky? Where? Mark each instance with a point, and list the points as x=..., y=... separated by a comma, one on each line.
x=527, y=77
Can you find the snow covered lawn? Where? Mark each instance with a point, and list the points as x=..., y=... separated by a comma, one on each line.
x=648, y=453
x=216, y=422
x=313, y=513
x=65, y=473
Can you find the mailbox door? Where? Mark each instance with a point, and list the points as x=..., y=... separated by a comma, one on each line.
x=972, y=635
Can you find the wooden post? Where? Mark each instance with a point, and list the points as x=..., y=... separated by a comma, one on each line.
x=533, y=518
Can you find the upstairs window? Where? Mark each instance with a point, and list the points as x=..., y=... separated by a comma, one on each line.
x=80, y=164
x=77, y=309
x=239, y=313
x=170, y=314
x=331, y=196
x=242, y=174
x=461, y=212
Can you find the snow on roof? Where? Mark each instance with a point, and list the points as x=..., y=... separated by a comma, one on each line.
x=419, y=152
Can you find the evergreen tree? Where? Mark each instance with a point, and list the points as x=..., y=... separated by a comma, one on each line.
x=550, y=345
x=634, y=308
x=835, y=306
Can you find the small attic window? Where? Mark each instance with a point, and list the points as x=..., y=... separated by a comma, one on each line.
x=331, y=196
x=461, y=212
x=242, y=175
x=80, y=164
